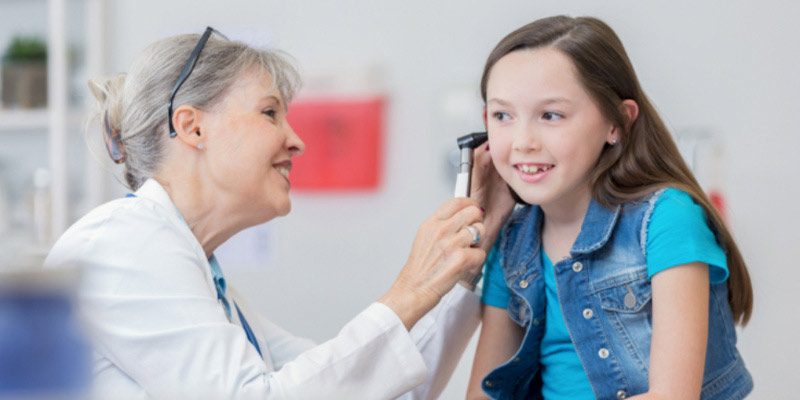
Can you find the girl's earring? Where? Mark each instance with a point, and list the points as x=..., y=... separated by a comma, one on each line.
x=200, y=146
x=614, y=142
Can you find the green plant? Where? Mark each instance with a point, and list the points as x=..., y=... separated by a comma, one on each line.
x=25, y=49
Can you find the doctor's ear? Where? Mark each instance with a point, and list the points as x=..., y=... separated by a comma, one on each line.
x=186, y=120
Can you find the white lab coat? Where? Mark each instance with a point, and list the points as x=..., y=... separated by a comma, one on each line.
x=158, y=331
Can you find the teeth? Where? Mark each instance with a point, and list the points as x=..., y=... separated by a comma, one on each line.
x=532, y=169
x=283, y=171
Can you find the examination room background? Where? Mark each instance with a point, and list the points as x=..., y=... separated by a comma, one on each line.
x=723, y=74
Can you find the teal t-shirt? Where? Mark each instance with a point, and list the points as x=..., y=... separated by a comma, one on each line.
x=677, y=234
x=563, y=376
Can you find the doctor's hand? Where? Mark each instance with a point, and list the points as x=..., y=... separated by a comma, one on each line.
x=442, y=252
x=492, y=193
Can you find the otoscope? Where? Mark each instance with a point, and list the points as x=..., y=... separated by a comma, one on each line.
x=467, y=144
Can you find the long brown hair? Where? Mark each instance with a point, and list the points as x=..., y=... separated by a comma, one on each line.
x=646, y=159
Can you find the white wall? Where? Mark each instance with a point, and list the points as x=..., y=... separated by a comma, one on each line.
x=727, y=66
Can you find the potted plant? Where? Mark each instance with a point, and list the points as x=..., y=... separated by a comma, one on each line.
x=24, y=73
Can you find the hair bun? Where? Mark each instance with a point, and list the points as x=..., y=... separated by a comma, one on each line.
x=108, y=92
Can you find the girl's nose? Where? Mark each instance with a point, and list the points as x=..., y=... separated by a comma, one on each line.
x=526, y=139
x=293, y=142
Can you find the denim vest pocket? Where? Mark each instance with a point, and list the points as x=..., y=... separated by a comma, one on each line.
x=626, y=295
x=626, y=303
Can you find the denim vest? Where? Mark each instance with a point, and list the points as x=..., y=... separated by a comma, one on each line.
x=605, y=299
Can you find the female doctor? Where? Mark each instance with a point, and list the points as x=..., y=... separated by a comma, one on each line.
x=216, y=160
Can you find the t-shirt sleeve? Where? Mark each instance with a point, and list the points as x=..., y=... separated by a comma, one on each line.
x=678, y=233
x=495, y=290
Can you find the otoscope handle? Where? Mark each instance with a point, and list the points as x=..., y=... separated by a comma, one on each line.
x=467, y=144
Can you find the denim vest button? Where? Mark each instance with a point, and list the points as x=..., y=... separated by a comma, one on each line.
x=621, y=394
x=523, y=284
x=603, y=353
x=588, y=313
x=577, y=266
x=630, y=300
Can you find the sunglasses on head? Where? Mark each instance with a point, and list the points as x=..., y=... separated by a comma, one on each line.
x=113, y=139
x=187, y=69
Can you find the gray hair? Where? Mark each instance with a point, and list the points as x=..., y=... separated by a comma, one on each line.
x=136, y=103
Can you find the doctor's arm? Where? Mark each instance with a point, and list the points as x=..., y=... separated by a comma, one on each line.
x=441, y=337
x=438, y=335
x=680, y=332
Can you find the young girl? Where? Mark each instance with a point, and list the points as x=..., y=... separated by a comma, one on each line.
x=616, y=278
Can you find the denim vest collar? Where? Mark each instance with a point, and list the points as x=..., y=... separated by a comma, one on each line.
x=598, y=224
x=596, y=229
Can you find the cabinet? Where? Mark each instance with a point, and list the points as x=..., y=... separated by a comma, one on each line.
x=52, y=138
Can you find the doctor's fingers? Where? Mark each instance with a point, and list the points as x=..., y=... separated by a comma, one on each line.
x=470, y=235
x=462, y=260
x=482, y=157
x=464, y=217
x=453, y=206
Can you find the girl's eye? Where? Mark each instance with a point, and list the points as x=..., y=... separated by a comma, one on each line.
x=501, y=116
x=270, y=113
x=551, y=116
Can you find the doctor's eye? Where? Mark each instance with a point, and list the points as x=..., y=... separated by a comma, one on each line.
x=270, y=113
x=501, y=116
x=551, y=116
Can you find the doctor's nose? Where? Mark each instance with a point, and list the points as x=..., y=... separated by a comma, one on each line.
x=293, y=142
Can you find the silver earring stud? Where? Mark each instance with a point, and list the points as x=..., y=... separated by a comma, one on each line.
x=200, y=146
x=614, y=142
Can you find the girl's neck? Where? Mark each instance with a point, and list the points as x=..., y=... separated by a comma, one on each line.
x=563, y=219
x=569, y=210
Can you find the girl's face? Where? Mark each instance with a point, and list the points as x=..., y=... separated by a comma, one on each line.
x=250, y=146
x=545, y=132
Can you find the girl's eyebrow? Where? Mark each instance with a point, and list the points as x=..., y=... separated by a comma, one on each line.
x=555, y=100
x=545, y=102
x=498, y=101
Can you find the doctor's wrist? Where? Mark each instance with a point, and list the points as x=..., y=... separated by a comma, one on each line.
x=470, y=279
x=408, y=307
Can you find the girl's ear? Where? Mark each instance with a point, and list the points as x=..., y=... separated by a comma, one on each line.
x=484, y=116
x=631, y=111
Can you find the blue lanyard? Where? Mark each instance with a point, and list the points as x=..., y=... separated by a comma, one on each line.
x=220, y=285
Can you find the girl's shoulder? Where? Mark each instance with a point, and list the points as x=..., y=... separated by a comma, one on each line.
x=675, y=196
x=675, y=203
x=679, y=232
x=670, y=199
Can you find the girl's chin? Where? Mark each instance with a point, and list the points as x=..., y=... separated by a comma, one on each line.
x=530, y=196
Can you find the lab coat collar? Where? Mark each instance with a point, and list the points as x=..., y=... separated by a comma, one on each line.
x=152, y=190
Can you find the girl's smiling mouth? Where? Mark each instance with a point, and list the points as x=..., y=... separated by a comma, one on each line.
x=531, y=172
